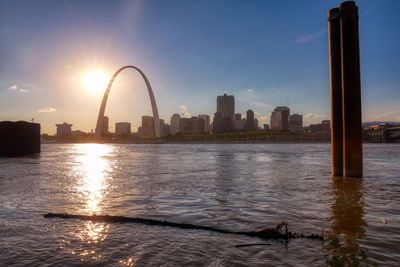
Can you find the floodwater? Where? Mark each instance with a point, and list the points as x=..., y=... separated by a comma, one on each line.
x=240, y=187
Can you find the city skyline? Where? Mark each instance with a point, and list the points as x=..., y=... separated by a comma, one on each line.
x=280, y=62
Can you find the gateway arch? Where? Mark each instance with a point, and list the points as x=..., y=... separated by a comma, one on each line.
x=99, y=125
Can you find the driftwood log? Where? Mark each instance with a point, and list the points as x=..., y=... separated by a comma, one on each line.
x=268, y=233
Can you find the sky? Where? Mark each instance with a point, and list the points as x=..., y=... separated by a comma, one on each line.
x=265, y=53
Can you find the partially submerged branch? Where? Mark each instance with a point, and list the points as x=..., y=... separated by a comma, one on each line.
x=267, y=233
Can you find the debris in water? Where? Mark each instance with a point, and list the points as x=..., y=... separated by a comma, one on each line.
x=267, y=233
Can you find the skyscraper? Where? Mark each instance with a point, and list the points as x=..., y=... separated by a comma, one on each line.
x=280, y=119
x=224, y=117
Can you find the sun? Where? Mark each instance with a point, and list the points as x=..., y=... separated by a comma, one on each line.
x=95, y=81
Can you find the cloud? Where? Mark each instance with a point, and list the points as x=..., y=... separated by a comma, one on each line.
x=309, y=37
x=372, y=8
x=46, y=110
x=263, y=119
x=252, y=99
x=16, y=88
x=312, y=116
x=184, y=112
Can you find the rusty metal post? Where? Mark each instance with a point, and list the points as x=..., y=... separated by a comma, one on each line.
x=336, y=91
x=351, y=90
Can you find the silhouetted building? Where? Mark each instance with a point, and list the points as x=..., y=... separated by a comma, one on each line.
x=280, y=119
x=326, y=126
x=166, y=129
x=63, y=129
x=224, y=117
x=104, y=130
x=162, y=127
x=175, y=123
x=250, y=123
x=206, y=119
x=122, y=128
x=147, y=128
x=193, y=125
x=238, y=117
x=296, y=123
x=240, y=125
x=78, y=133
x=266, y=127
x=185, y=125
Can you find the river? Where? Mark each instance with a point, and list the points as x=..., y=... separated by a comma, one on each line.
x=242, y=187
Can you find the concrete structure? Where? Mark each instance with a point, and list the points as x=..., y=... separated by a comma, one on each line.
x=296, y=123
x=382, y=133
x=224, y=117
x=250, y=122
x=206, y=119
x=64, y=129
x=105, y=125
x=99, y=125
x=147, y=128
x=122, y=128
x=175, y=123
x=19, y=138
x=280, y=119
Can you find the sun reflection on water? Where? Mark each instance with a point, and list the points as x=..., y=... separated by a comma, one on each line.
x=93, y=169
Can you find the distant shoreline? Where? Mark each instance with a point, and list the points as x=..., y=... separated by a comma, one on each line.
x=205, y=142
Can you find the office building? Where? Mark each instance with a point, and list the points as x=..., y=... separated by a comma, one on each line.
x=63, y=129
x=250, y=123
x=122, y=128
x=193, y=125
x=296, y=123
x=175, y=123
x=147, y=128
x=224, y=117
x=206, y=119
x=280, y=119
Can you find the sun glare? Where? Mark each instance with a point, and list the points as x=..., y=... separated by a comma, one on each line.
x=95, y=81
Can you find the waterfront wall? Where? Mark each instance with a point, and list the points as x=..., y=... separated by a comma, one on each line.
x=19, y=138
